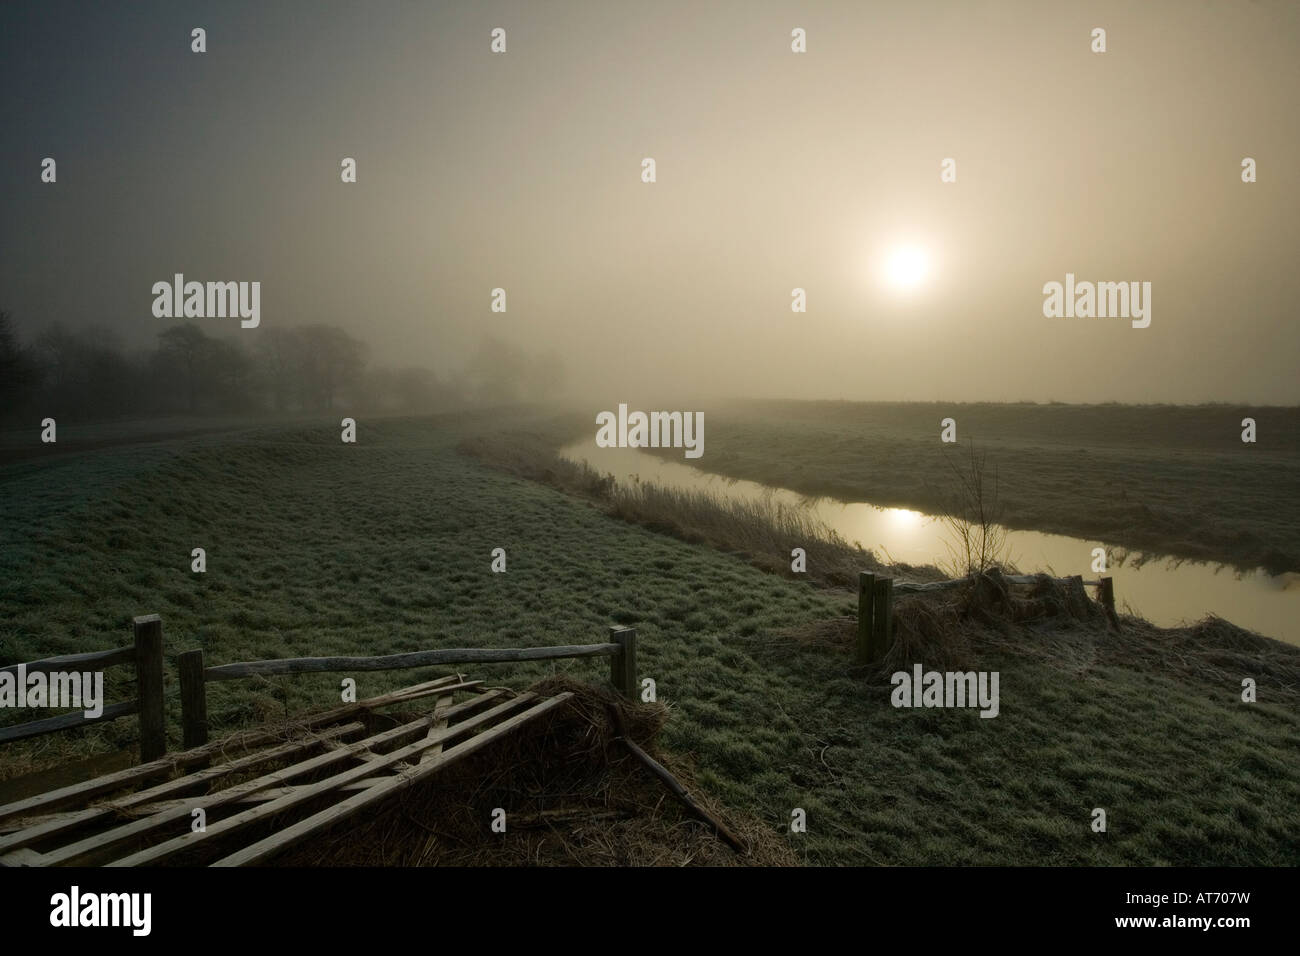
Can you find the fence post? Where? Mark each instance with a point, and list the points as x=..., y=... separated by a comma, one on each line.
x=622, y=666
x=149, y=686
x=1107, y=594
x=866, y=616
x=882, y=620
x=194, y=699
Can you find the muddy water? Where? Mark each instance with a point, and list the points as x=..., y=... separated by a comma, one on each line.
x=1164, y=592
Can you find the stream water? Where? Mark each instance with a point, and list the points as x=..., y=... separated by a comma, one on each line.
x=1166, y=592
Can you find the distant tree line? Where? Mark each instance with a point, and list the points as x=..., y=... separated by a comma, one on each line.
x=89, y=374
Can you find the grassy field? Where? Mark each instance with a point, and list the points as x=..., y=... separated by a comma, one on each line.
x=316, y=547
x=1165, y=480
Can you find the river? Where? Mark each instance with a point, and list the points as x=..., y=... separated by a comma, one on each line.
x=1166, y=592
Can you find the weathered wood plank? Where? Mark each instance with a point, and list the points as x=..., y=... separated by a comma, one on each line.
x=149, y=686
x=308, y=792
x=92, y=660
x=49, y=725
x=194, y=699
x=622, y=666
x=882, y=618
x=1107, y=594
x=23, y=857
x=419, y=692
x=166, y=766
x=292, y=834
x=866, y=615
x=439, y=723
x=66, y=821
x=135, y=828
x=914, y=587
x=673, y=784
x=451, y=655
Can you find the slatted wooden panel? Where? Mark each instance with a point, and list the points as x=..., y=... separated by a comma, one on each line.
x=329, y=769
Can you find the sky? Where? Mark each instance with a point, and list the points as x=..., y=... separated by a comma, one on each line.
x=775, y=170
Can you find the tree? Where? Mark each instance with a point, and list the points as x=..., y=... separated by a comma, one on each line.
x=974, y=517
x=500, y=373
x=331, y=362
x=188, y=347
x=19, y=374
x=279, y=364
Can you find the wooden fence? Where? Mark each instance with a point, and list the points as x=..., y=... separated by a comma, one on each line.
x=147, y=656
x=194, y=676
x=876, y=606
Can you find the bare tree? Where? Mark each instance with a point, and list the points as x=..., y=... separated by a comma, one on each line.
x=187, y=346
x=332, y=363
x=974, y=517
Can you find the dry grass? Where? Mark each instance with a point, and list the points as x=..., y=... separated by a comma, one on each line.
x=572, y=796
x=762, y=532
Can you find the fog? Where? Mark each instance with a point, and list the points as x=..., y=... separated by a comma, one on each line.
x=774, y=171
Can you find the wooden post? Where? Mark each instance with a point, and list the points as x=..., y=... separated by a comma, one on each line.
x=1107, y=594
x=882, y=620
x=622, y=666
x=194, y=699
x=149, y=686
x=866, y=618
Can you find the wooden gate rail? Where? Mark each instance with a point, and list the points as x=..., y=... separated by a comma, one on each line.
x=302, y=778
x=146, y=654
x=194, y=676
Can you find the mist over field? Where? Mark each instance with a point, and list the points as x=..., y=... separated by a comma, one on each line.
x=775, y=171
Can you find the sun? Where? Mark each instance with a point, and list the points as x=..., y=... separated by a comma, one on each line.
x=907, y=267
x=904, y=519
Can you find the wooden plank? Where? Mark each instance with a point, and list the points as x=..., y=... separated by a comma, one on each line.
x=308, y=792
x=673, y=784
x=194, y=699
x=1107, y=594
x=91, y=660
x=405, y=697
x=622, y=666
x=41, y=830
x=149, y=686
x=166, y=766
x=262, y=796
x=866, y=615
x=325, y=818
x=414, y=689
x=143, y=825
x=23, y=857
x=453, y=655
x=882, y=618
x=439, y=722
x=155, y=799
x=49, y=725
x=913, y=587
x=383, y=700
x=200, y=755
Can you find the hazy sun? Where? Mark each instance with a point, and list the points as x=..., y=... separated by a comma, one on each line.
x=906, y=267
x=904, y=518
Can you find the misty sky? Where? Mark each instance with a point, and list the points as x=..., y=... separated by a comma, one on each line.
x=775, y=170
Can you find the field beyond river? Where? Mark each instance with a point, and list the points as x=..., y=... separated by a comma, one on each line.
x=1159, y=479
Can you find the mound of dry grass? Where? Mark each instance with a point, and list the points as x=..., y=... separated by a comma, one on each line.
x=572, y=795
x=949, y=629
